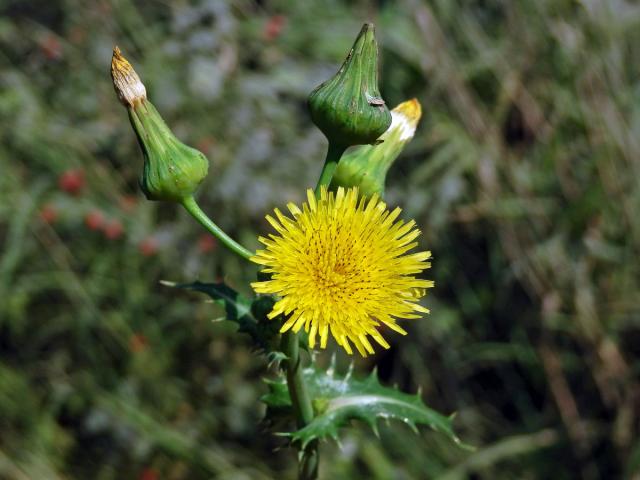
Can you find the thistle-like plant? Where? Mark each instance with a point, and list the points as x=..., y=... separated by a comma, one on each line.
x=340, y=266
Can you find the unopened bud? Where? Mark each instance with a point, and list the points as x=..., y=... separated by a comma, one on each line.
x=172, y=170
x=348, y=108
x=366, y=166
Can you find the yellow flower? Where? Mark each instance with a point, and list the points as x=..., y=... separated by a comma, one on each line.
x=341, y=265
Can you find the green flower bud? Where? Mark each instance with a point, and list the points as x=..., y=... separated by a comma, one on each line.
x=348, y=108
x=366, y=166
x=172, y=170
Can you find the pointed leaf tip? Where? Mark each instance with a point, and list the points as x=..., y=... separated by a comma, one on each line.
x=248, y=313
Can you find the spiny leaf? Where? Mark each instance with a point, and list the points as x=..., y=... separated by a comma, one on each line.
x=275, y=358
x=236, y=305
x=249, y=314
x=337, y=400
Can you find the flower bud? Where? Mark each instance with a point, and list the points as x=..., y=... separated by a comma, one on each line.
x=366, y=166
x=172, y=170
x=348, y=108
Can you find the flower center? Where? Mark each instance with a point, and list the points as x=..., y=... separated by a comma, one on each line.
x=332, y=276
x=340, y=276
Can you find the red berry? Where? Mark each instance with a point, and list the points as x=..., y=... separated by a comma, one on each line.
x=49, y=214
x=113, y=230
x=149, y=474
x=137, y=343
x=51, y=47
x=128, y=203
x=205, y=144
x=274, y=26
x=77, y=35
x=94, y=220
x=72, y=181
x=206, y=243
x=148, y=247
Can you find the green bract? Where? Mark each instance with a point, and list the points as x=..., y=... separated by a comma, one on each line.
x=348, y=108
x=172, y=170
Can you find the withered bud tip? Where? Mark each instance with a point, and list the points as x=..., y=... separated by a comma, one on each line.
x=126, y=81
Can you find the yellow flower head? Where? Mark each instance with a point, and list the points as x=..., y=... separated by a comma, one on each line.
x=341, y=265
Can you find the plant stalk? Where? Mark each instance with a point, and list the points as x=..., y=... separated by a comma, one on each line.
x=301, y=402
x=334, y=153
x=190, y=205
x=300, y=399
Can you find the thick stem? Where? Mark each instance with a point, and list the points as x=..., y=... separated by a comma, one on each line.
x=308, y=466
x=299, y=395
x=189, y=203
x=330, y=164
x=301, y=402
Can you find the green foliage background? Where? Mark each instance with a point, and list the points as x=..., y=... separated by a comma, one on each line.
x=524, y=176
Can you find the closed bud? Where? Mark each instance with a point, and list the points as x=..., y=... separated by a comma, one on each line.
x=172, y=170
x=366, y=166
x=348, y=108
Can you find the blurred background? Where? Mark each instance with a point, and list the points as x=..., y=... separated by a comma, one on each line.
x=524, y=176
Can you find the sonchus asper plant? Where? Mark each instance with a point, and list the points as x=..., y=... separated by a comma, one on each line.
x=342, y=265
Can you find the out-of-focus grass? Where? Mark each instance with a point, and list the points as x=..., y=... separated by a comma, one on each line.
x=523, y=175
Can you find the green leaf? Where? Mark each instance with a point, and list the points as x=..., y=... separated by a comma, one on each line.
x=249, y=314
x=336, y=400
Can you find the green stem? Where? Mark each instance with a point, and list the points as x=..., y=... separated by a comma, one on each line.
x=330, y=164
x=300, y=399
x=299, y=395
x=189, y=203
x=301, y=402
